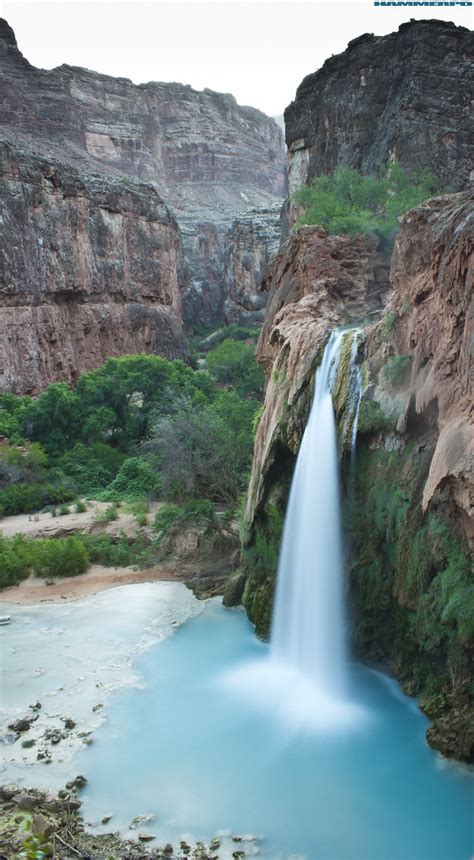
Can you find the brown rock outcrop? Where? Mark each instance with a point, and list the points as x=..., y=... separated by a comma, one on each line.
x=89, y=268
x=316, y=283
x=252, y=241
x=433, y=284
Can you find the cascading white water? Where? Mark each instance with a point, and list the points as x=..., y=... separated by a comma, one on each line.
x=304, y=680
x=308, y=629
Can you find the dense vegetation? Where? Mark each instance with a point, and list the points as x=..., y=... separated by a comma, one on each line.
x=137, y=429
x=20, y=557
x=354, y=204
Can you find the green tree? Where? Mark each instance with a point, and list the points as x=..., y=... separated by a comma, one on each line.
x=233, y=363
x=206, y=451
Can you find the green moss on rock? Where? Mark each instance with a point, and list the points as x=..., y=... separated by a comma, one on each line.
x=411, y=588
x=234, y=589
x=259, y=563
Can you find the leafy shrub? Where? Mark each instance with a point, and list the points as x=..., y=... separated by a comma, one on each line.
x=91, y=468
x=109, y=515
x=139, y=508
x=395, y=370
x=200, y=510
x=28, y=498
x=388, y=322
x=351, y=203
x=371, y=417
x=103, y=549
x=231, y=332
x=48, y=557
x=80, y=507
x=137, y=477
x=64, y=510
x=206, y=451
x=25, y=464
x=60, y=557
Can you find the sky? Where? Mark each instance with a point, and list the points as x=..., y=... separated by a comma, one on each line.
x=258, y=50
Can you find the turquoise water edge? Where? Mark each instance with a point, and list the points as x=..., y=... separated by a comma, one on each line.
x=202, y=759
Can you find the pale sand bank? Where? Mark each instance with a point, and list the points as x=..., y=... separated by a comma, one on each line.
x=98, y=578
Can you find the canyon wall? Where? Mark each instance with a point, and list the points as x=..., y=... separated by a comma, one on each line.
x=211, y=160
x=89, y=267
x=405, y=96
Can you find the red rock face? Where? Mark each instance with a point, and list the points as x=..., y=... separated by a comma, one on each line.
x=90, y=267
x=316, y=283
x=433, y=280
x=209, y=158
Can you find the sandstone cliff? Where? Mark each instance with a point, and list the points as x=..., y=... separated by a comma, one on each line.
x=89, y=268
x=405, y=96
x=210, y=159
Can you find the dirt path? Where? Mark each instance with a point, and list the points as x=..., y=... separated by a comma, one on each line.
x=97, y=578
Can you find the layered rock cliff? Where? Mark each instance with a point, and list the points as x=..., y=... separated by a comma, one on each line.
x=405, y=96
x=89, y=267
x=210, y=159
x=410, y=584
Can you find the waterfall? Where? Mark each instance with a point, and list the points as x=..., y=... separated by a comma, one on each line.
x=308, y=624
x=305, y=680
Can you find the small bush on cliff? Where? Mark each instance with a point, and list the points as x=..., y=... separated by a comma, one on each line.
x=354, y=204
x=396, y=369
x=371, y=417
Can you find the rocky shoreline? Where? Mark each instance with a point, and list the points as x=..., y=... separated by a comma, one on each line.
x=34, y=821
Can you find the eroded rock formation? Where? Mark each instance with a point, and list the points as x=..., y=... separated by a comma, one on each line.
x=432, y=325
x=210, y=159
x=316, y=283
x=89, y=268
x=405, y=96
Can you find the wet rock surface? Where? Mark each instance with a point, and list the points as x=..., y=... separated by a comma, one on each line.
x=316, y=283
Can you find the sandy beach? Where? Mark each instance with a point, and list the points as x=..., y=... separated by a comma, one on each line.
x=98, y=578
